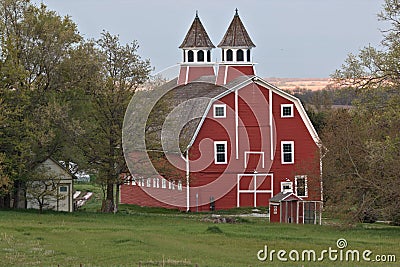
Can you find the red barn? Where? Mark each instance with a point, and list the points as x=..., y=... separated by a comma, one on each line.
x=231, y=138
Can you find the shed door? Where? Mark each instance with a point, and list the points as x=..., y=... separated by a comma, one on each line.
x=289, y=212
x=64, y=197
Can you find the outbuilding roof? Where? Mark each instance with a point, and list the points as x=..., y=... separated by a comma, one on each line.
x=284, y=196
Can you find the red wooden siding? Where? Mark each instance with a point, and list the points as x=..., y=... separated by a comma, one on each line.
x=227, y=73
x=194, y=72
x=219, y=181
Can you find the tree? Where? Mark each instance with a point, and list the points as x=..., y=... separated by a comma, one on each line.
x=34, y=42
x=5, y=184
x=121, y=71
x=361, y=169
x=374, y=67
x=62, y=96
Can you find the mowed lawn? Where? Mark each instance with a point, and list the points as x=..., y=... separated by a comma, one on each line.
x=143, y=238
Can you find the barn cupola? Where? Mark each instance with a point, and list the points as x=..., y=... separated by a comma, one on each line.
x=196, y=48
x=236, y=48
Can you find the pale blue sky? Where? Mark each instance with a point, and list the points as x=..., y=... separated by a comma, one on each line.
x=294, y=38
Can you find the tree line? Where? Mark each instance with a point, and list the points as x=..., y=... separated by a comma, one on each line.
x=361, y=170
x=61, y=96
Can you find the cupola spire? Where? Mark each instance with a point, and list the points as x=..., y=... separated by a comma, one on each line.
x=236, y=48
x=197, y=36
x=236, y=35
x=196, y=53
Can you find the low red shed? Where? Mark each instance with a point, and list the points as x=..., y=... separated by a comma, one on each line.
x=286, y=207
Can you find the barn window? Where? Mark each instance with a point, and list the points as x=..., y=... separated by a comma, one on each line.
x=240, y=55
x=154, y=182
x=190, y=56
x=158, y=183
x=163, y=183
x=248, y=55
x=287, y=110
x=220, y=152
x=127, y=179
x=229, y=55
x=208, y=56
x=287, y=152
x=200, y=56
x=148, y=182
x=180, y=185
x=286, y=187
x=219, y=111
x=275, y=209
x=301, y=185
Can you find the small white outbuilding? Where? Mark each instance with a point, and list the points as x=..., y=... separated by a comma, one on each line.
x=51, y=188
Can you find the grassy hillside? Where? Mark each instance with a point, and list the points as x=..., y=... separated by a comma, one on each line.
x=147, y=237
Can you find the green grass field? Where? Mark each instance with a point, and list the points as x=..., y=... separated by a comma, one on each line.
x=156, y=237
x=172, y=239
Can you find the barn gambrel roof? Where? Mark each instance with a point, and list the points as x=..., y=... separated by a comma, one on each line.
x=205, y=93
x=242, y=82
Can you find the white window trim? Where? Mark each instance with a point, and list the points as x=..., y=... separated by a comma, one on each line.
x=163, y=183
x=219, y=106
x=286, y=183
x=282, y=157
x=148, y=182
x=179, y=185
x=287, y=106
x=305, y=185
x=225, y=143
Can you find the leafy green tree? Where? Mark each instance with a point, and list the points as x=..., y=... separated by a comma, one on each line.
x=361, y=169
x=374, y=67
x=34, y=42
x=120, y=72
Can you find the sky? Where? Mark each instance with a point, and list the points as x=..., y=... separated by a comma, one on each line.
x=294, y=38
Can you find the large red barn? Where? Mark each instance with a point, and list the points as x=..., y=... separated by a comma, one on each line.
x=242, y=140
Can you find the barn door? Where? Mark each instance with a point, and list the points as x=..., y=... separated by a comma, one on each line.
x=254, y=190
